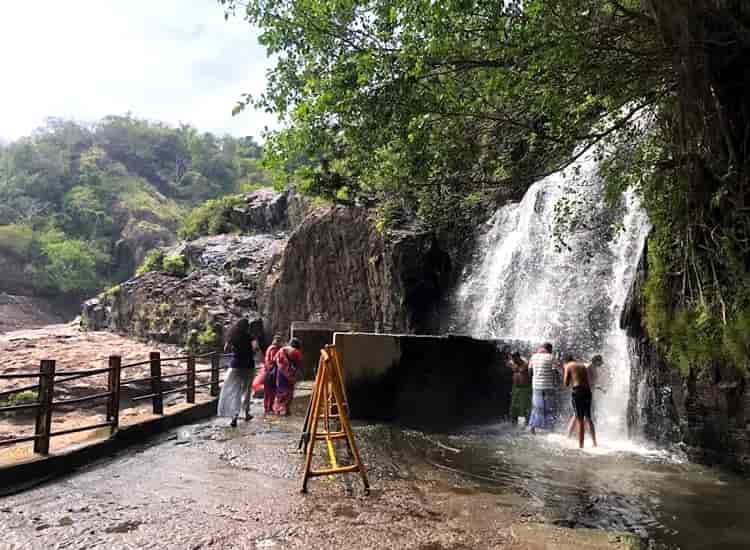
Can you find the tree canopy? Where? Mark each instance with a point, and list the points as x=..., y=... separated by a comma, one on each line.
x=429, y=107
x=68, y=191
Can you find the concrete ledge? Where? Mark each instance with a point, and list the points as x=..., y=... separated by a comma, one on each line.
x=21, y=476
x=314, y=336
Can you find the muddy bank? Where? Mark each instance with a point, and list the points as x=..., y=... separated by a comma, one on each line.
x=207, y=486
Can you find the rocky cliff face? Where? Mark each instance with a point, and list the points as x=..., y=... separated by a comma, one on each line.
x=337, y=267
x=707, y=412
x=291, y=263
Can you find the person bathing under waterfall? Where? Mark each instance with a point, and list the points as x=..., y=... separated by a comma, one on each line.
x=520, y=398
x=577, y=376
x=544, y=390
x=598, y=378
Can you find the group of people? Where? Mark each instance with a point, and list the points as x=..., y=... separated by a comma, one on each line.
x=279, y=369
x=536, y=395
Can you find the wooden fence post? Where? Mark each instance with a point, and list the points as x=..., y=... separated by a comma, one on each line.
x=113, y=383
x=215, y=374
x=155, y=358
x=191, y=379
x=44, y=412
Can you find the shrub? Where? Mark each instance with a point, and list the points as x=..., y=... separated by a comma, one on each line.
x=154, y=261
x=16, y=239
x=175, y=265
x=137, y=195
x=112, y=291
x=20, y=398
x=209, y=338
x=210, y=218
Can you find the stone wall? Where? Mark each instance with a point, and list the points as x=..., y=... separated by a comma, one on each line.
x=706, y=412
x=425, y=381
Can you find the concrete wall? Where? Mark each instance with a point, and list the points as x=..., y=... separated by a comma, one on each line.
x=425, y=381
x=314, y=336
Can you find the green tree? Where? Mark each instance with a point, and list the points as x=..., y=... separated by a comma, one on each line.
x=419, y=105
x=72, y=266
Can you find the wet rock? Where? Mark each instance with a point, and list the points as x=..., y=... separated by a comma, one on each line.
x=292, y=263
x=65, y=521
x=706, y=412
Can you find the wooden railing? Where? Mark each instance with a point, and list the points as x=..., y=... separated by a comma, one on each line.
x=48, y=379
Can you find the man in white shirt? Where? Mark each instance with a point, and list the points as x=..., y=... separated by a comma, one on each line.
x=544, y=389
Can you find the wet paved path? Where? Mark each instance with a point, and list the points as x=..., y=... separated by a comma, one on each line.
x=208, y=486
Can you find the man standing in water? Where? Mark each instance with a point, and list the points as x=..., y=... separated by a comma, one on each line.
x=543, y=389
x=520, y=397
x=577, y=376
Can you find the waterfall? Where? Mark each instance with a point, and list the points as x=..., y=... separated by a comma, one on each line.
x=557, y=266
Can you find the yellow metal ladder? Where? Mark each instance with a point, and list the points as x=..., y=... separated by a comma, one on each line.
x=329, y=404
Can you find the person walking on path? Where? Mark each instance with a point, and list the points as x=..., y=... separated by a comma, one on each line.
x=520, y=398
x=544, y=398
x=235, y=396
x=577, y=376
x=289, y=367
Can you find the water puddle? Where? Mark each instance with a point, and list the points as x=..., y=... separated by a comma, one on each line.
x=620, y=485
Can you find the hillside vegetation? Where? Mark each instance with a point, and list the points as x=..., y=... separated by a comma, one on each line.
x=81, y=204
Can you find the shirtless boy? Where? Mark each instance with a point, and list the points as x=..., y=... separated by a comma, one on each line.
x=577, y=376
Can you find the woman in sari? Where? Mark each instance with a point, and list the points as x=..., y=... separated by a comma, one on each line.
x=235, y=396
x=289, y=368
x=269, y=390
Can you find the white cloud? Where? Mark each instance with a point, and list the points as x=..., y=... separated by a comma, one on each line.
x=169, y=60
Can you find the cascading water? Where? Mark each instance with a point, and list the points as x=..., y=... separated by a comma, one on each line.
x=530, y=282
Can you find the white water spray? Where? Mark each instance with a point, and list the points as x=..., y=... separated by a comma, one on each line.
x=530, y=284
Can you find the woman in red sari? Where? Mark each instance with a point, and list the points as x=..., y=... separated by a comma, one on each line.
x=289, y=361
x=269, y=391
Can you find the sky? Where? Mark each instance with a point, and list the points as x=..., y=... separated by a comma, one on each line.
x=168, y=60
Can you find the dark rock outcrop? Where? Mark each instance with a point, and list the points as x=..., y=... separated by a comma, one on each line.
x=338, y=267
x=292, y=263
x=222, y=284
x=137, y=238
x=706, y=411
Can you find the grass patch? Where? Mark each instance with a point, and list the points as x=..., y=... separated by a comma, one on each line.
x=137, y=195
x=20, y=398
x=211, y=218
